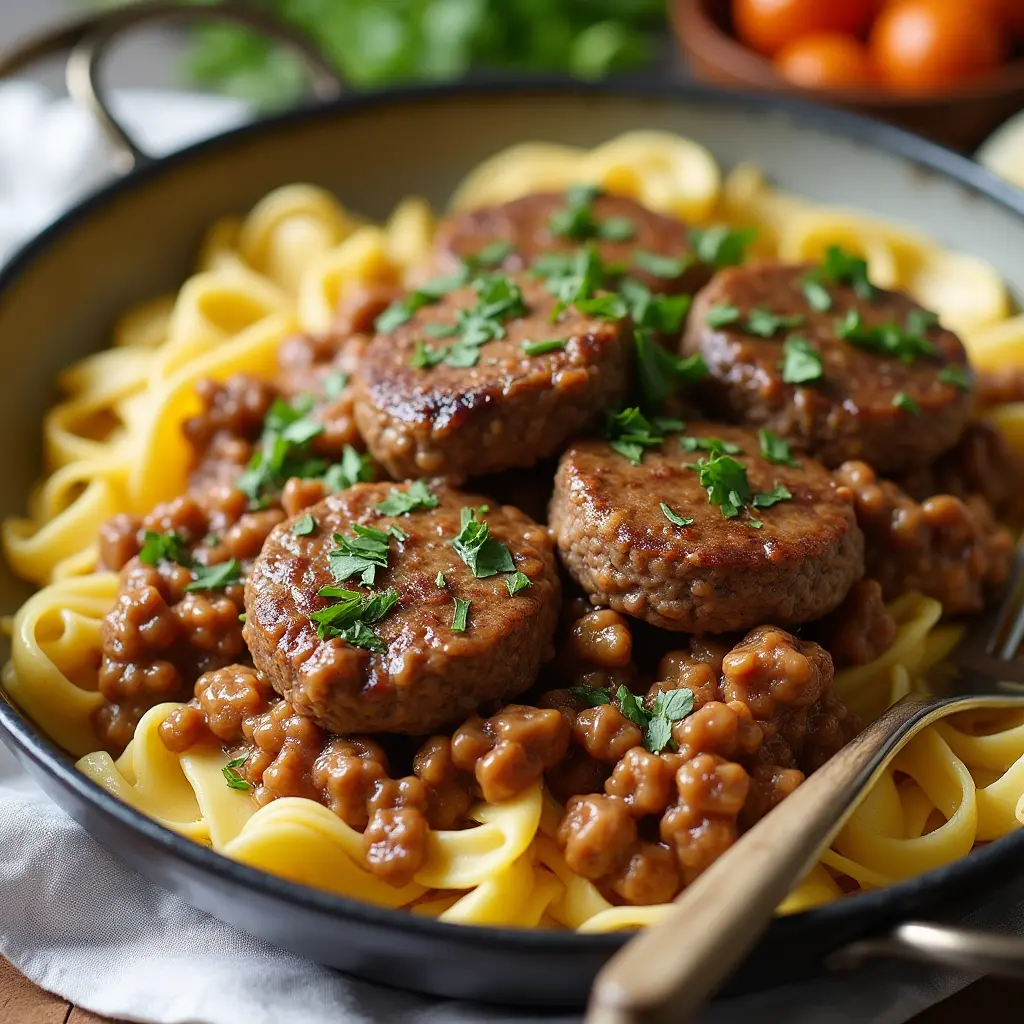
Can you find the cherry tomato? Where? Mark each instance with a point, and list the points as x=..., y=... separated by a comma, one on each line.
x=826, y=60
x=767, y=25
x=924, y=45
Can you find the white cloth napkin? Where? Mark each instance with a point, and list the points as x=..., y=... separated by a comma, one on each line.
x=81, y=924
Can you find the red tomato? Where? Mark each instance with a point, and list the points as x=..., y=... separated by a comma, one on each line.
x=826, y=60
x=767, y=25
x=923, y=45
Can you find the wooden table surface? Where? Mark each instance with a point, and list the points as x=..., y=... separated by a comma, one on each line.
x=987, y=1001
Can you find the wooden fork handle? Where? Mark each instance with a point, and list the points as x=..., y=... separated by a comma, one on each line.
x=668, y=970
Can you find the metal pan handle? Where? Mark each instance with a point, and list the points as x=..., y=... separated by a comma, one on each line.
x=936, y=944
x=88, y=40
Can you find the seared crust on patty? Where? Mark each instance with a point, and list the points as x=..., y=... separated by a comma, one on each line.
x=716, y=574
x=855, y=410
x=509, y=410
x=428, y=676
x=525, y=223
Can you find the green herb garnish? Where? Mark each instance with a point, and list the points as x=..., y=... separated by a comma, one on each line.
x=775, y=449
x=164, y=547
x=484, y=555
x=439, y=581
x=629, y=432
x=773, y=497
x=216, y=577
x=520, y=581
x=956, y=377
x=901, y=400
x=721, y=246
x=721, y=315
x=766, y=324
x=668, y=267
x=426, y=294
x=399, y=503
x=351, y=614
x=708, y=444
x=841, y=267
x=801, y=362
x=816, y=294
x=334, y=384
x=591, y=696
x=460, y=615
x=361, y=555
x=539, y=348
x=304, y=526
x=670, y=706
x=231, y=774
x=906, y=344
x=673, y=517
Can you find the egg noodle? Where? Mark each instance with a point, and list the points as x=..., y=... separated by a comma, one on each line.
x=115, y=444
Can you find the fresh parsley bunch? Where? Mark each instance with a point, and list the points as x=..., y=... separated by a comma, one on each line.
x=379, y=42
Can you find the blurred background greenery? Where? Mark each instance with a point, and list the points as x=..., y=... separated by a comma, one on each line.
x=383, y=42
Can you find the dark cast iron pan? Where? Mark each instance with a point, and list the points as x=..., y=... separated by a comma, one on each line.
x=137, y=238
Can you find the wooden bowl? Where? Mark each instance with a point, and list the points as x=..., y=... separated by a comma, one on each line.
x=958, y=117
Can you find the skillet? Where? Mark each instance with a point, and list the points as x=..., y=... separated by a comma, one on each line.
x=138, y=237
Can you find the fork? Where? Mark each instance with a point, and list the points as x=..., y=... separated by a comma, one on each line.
x=666, y=971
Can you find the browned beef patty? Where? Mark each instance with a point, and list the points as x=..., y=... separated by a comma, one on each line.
x=510, y=409
x=428, y=674
x=897, y=415
x=526, y=224
x=714, y=574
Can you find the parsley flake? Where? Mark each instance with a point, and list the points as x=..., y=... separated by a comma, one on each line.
x=216, y=577
x=484, y=555
x=816, y=294
x=460, y=615
x=539, y=348
x=775, y=449
x=709, y=444
x=801, y=362
x=725, y=480
x=423, y=358
x=660, y=372
x=956, y=377
x=399, y=503
x=163, y=547
x=616, y=229
x=439, y=581
x=493, y=254
x=670, y=706
x=304, y=526
x=629, y=432
x=721, y=315
x=360, y=555
x=721, y=246
x=351, y=614
x=591, y=696
x=901, y=400
x=766, y=324
x=334, y=384
x=658, y=265
x=426, y=294
x=778, y=493
x=631, y=707
x=906, y=344
x=673, y=517
x=841, y=267
x=520, y=581
x=231, y=774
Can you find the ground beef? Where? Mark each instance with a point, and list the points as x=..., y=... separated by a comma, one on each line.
x=860, y=629
x=160, y=637
x=509, y=409
x=714, y=574
x=898, y=415
x=525, y=224
x=980, y=463
x=944, y=547
x=427, y=675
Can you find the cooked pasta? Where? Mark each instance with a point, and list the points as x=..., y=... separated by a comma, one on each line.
x=115, y=445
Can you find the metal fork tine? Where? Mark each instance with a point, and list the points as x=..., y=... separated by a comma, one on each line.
x=1010, y=612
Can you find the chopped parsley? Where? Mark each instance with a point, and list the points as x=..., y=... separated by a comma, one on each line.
x=721, y=246
x=216, y=577
x=492, y=255
x=304, y=526
x=668, y=267
x=334, y=384
x=351, y=614
x=801, y=362
x=629, y=432
x=956, y=377
x=460, y=615
x=211, y=540
x=423, y=358
x=591, y=696
x=816, y=294
x=610, y=306
x=659, y=371
x=484, y=555
x=906, y=344
x=397, y=532
x=725, y=480
x=653, y=312
x=775, y=449
x=520, y=581
x=841, y=267
x=721, y=315
x=569, y=278
x=426, y=294
x=361, y=555
x=399, y=503
x=164, y=547
x=439, y=581
x=353, y=468
x=670, y=706
x=231, y=774
x=539, y=348
x=708, y=444
x=901, y=400
x=578, y=221
x=766, y=324
x=673, y=517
